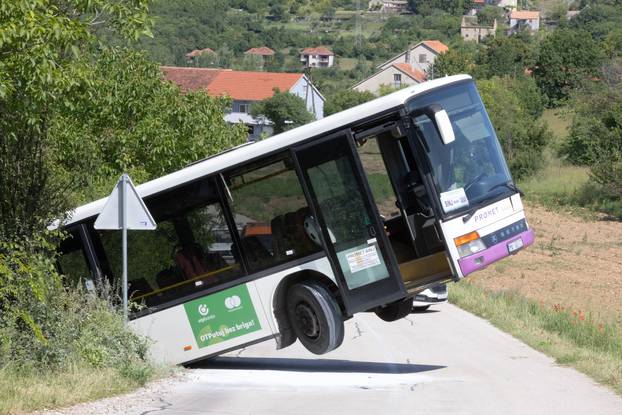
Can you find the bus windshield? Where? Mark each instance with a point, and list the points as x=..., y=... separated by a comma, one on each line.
x=471, y=169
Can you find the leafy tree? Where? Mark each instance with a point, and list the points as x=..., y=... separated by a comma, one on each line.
x=343, y=100
x=522, y=137
x=488, y=14
x=129, y=120
x=284, y=109
x=458, y=7
x=595, y=140
x=506, y=56
x=40, y=43
x=455, y=61
x=566, y=59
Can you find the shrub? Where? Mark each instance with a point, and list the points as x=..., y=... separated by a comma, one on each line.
x=45, y=327
x=522, y=137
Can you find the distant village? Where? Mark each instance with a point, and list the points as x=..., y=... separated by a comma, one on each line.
x=410, y=67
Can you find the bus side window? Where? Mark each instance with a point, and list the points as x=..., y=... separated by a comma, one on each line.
x=72, y=262
x=189, y=251
x=270, y=209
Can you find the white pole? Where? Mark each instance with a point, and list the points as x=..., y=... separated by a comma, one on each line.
x=124, y=180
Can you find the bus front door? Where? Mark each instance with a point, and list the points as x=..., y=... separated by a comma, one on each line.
x=346, y=217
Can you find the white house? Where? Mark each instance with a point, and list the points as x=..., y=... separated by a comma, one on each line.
x=389, y=6
x=524, y=19
x=319, y=57
x=420, y=56
x=245, y=88
x=510, y=4
x=396, y=76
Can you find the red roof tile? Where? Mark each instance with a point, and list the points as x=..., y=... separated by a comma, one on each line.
x=321, y=50
x=190, y=79
x=436, y=45
x=198, y=52
x=251, y=86
x=407, y=68
x=262, y=51
x=524, y=15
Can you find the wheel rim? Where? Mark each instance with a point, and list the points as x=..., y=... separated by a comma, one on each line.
x=307, y=321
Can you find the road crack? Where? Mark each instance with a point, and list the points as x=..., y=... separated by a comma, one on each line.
x=165, y=405
x=359, y=332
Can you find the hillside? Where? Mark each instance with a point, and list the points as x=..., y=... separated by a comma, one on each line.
x=573, y=263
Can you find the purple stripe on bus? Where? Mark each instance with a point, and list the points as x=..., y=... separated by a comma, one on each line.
x=486, y=257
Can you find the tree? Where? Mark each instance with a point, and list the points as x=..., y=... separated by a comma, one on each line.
x=488, y=14
x=506, y=56
x=595, y=140
x=459, y=7
x=128, y=119
x=522, y=137
x=343, y=100
x=41, y=42
x=284, y=109
x=455, y=61
x=566, y=59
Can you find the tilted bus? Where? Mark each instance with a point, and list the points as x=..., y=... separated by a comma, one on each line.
x=286, y=238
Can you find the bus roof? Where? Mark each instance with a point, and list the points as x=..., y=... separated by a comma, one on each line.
x=284, y=140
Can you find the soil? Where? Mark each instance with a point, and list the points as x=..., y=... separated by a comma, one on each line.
x=574, y=263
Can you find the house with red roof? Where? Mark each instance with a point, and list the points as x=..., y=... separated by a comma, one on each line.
x=420, y=56
x=194, y=55
x=524, y=20
x=397, y=76
x=319, y=57
x=263, y=51
x=246, y=88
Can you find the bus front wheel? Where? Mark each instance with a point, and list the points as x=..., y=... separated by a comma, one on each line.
x=315, y=317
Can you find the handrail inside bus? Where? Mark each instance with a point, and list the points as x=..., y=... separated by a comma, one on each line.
x=179, y=284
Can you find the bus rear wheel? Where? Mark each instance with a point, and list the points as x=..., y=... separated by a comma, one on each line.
x=315, y=317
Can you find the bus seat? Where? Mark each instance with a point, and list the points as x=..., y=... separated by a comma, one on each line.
x=191, y=260
x=255, y=251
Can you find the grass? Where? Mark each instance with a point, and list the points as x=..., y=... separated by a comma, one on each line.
x=558, y=121
x=22, y=392
x=571, y=337
x=556, y=184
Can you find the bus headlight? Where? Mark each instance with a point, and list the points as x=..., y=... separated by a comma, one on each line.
x=469, y=244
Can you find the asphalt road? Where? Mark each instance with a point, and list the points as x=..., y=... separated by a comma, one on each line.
x=445, y=362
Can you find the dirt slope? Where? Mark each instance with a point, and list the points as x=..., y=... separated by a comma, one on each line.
x=574, y=263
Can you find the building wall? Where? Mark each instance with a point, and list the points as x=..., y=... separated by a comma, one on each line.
x=413, y=57
x=384, y=77
x=475, y=34
x=515, y=24
x=316, y=61
x=508, y=3
x=304, y=90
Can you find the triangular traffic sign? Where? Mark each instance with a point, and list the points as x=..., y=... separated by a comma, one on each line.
x=138, y=216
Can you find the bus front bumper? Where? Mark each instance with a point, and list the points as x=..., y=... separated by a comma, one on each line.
x=496, y=252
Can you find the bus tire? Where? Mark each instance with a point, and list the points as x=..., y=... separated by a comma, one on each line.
x=396, y=310
x=315, y=317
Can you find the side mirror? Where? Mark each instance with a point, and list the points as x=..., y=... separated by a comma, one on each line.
x=445, y=129
x=440, y=119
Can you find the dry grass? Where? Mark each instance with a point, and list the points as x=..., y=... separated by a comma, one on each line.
x=26, y=392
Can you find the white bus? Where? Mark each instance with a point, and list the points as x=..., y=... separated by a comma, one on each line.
x=286, y=238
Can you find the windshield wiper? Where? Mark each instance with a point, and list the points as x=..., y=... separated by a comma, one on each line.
x=509, y=185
